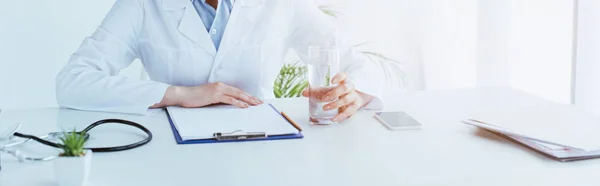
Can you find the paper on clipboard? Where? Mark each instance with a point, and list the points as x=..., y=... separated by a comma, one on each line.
x=202, y=123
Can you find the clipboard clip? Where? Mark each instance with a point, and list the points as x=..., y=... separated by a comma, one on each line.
x=239, y=135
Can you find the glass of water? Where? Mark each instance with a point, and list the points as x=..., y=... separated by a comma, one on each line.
x=322, y=66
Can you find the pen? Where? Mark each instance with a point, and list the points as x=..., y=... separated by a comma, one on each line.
x=291, y=121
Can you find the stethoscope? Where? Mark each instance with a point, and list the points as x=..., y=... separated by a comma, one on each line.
x=7, y=142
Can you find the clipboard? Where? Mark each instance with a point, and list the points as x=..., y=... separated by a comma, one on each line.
x=235, y=136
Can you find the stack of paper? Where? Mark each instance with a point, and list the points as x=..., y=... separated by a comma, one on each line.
x=560, y=131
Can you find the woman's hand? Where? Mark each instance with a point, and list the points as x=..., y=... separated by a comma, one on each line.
x=348, y=100
x=208, y=94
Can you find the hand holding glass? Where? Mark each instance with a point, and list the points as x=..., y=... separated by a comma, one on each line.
x=322, y=65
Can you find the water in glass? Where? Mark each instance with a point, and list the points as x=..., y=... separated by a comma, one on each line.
x=322, y=66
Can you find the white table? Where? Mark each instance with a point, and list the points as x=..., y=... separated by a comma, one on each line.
x=358, y=151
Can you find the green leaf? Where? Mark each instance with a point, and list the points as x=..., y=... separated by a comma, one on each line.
x=361, y=44
x=329, y=11
x=73, y=143
x=378, y=55
x=289, y=79
x=298, y=88
x=328, y=77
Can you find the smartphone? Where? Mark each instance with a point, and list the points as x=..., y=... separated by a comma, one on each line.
x=397, y=121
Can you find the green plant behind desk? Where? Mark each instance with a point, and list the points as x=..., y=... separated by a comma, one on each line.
x=291, y=81
x=73, y=144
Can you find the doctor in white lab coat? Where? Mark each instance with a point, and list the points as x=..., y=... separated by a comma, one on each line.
x=191, y=63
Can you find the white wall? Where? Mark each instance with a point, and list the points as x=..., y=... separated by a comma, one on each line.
x=541, y=48
x=448, y=44
x=493, y=43
x=36, y=39
x=527, y=45
x=587, y=89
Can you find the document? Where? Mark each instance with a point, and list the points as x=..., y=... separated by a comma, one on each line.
x=549, y=123
x=560, y=153
x=557, y=151
x=202, y=123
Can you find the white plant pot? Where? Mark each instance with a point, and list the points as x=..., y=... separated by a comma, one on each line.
x=73, y=171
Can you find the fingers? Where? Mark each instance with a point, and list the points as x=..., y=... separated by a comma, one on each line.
x=238, y=94
x=348, y=111
x=343, y=101
x=305, y=93
x=338, y=91
x=249, y=98
x=338, y=78
x=233, y=101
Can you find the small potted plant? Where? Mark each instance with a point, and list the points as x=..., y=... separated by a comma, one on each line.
x=72, y=166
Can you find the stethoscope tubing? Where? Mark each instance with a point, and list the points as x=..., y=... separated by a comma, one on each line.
x=85, y=131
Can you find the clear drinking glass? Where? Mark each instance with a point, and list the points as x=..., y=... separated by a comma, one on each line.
x=322, y=66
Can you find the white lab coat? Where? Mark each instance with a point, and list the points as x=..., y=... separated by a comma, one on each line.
x=170, y=39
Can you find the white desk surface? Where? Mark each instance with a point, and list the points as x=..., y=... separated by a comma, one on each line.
x=358, y=151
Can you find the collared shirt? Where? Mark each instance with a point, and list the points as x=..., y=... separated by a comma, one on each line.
x=215, y=21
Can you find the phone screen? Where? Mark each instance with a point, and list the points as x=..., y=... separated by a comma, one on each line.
x=398, y=120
